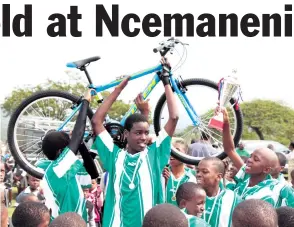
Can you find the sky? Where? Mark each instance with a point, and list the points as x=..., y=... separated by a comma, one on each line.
x=264, y=64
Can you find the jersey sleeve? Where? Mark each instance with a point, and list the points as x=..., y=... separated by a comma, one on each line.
x=163, y=148
x=66, y=164
x=241, y=175
x=107, y=150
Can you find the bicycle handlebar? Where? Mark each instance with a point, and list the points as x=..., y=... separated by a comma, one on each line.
x=166, y=46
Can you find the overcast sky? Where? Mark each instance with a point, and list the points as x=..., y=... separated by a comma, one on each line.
x=265, y=65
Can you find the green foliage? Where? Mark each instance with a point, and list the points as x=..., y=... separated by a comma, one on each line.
x=268, y=120
x=77, y=88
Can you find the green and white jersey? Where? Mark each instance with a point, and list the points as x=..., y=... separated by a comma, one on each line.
x=62, y=190
x=84, y=178
x=263, y=190
x=173, y=184
x=134, y=181
x=284, y=193
x=195, y=221
x=219, y=209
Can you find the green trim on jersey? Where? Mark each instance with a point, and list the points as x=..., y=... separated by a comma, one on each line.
x=195, y=221
x=219, y=209
x=63, y=192
x=263, y=190
x=126, y=207
x=173, y=184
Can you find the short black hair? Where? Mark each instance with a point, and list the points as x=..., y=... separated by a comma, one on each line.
x=282, y=159
x=165, y=215
x=53, y=142
x=69, y=219
x=29, y=214
x=285, y=216
x=292, y=143
x=187, y=191
x=134, y=118
x=254, y=212
x=219, y=164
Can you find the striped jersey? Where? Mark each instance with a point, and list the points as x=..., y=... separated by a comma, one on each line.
x=219, y=209
x=173, y=184
x=134, y=181
x=284, y=193
x=62, y=190
x=264, y=190
x=195, y=221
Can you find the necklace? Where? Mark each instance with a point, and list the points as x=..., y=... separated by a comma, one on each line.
x=213, y=206
x=132, y=185
x=179, y=181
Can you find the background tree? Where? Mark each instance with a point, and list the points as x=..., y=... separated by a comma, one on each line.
x=76, y=87
x=268, y=120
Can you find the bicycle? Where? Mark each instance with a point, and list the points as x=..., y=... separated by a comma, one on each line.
x=24, y=129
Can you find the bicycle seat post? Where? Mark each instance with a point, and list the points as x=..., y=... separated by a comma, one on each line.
x=83, y=68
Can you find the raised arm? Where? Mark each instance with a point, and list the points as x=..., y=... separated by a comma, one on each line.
x=228, y=142
x=99, y=116
x=171, y=102
x=142, y=105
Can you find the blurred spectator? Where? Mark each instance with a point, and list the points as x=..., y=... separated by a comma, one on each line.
x=241, y=150
x=33, y=188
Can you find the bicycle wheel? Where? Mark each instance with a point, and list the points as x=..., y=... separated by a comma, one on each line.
x=32, y=119
x=204, y=104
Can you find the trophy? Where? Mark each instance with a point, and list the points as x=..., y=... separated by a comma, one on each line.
x=227, y=88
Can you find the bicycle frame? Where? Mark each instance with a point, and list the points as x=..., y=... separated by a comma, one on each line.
x=147, y=91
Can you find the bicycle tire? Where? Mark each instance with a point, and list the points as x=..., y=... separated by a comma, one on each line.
x=19, y=158
x=203, y=82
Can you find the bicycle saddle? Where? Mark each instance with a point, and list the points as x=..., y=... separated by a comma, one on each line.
x=82, y=63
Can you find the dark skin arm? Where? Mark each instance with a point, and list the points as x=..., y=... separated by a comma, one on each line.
x=100, y=114
x=172, y=107
x=228, y=142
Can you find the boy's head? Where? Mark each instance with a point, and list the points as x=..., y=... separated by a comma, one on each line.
x=210, y=172
x=254, y=212
x=285, y=216
x=165, y=215
x=69, y=219
x=31, y=214
x=181, y=146
x=2, y=171
x=261, y=161
x=33, y=182
x=136, y=132
x=53, y=144
x=192, y=197
x=280, y=165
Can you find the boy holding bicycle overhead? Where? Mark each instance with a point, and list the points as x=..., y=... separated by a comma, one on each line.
x=134, y=174
x=62, y=191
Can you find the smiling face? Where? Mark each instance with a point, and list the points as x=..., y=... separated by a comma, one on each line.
x=196, y=205
x=137, y=137
x=208, y=175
